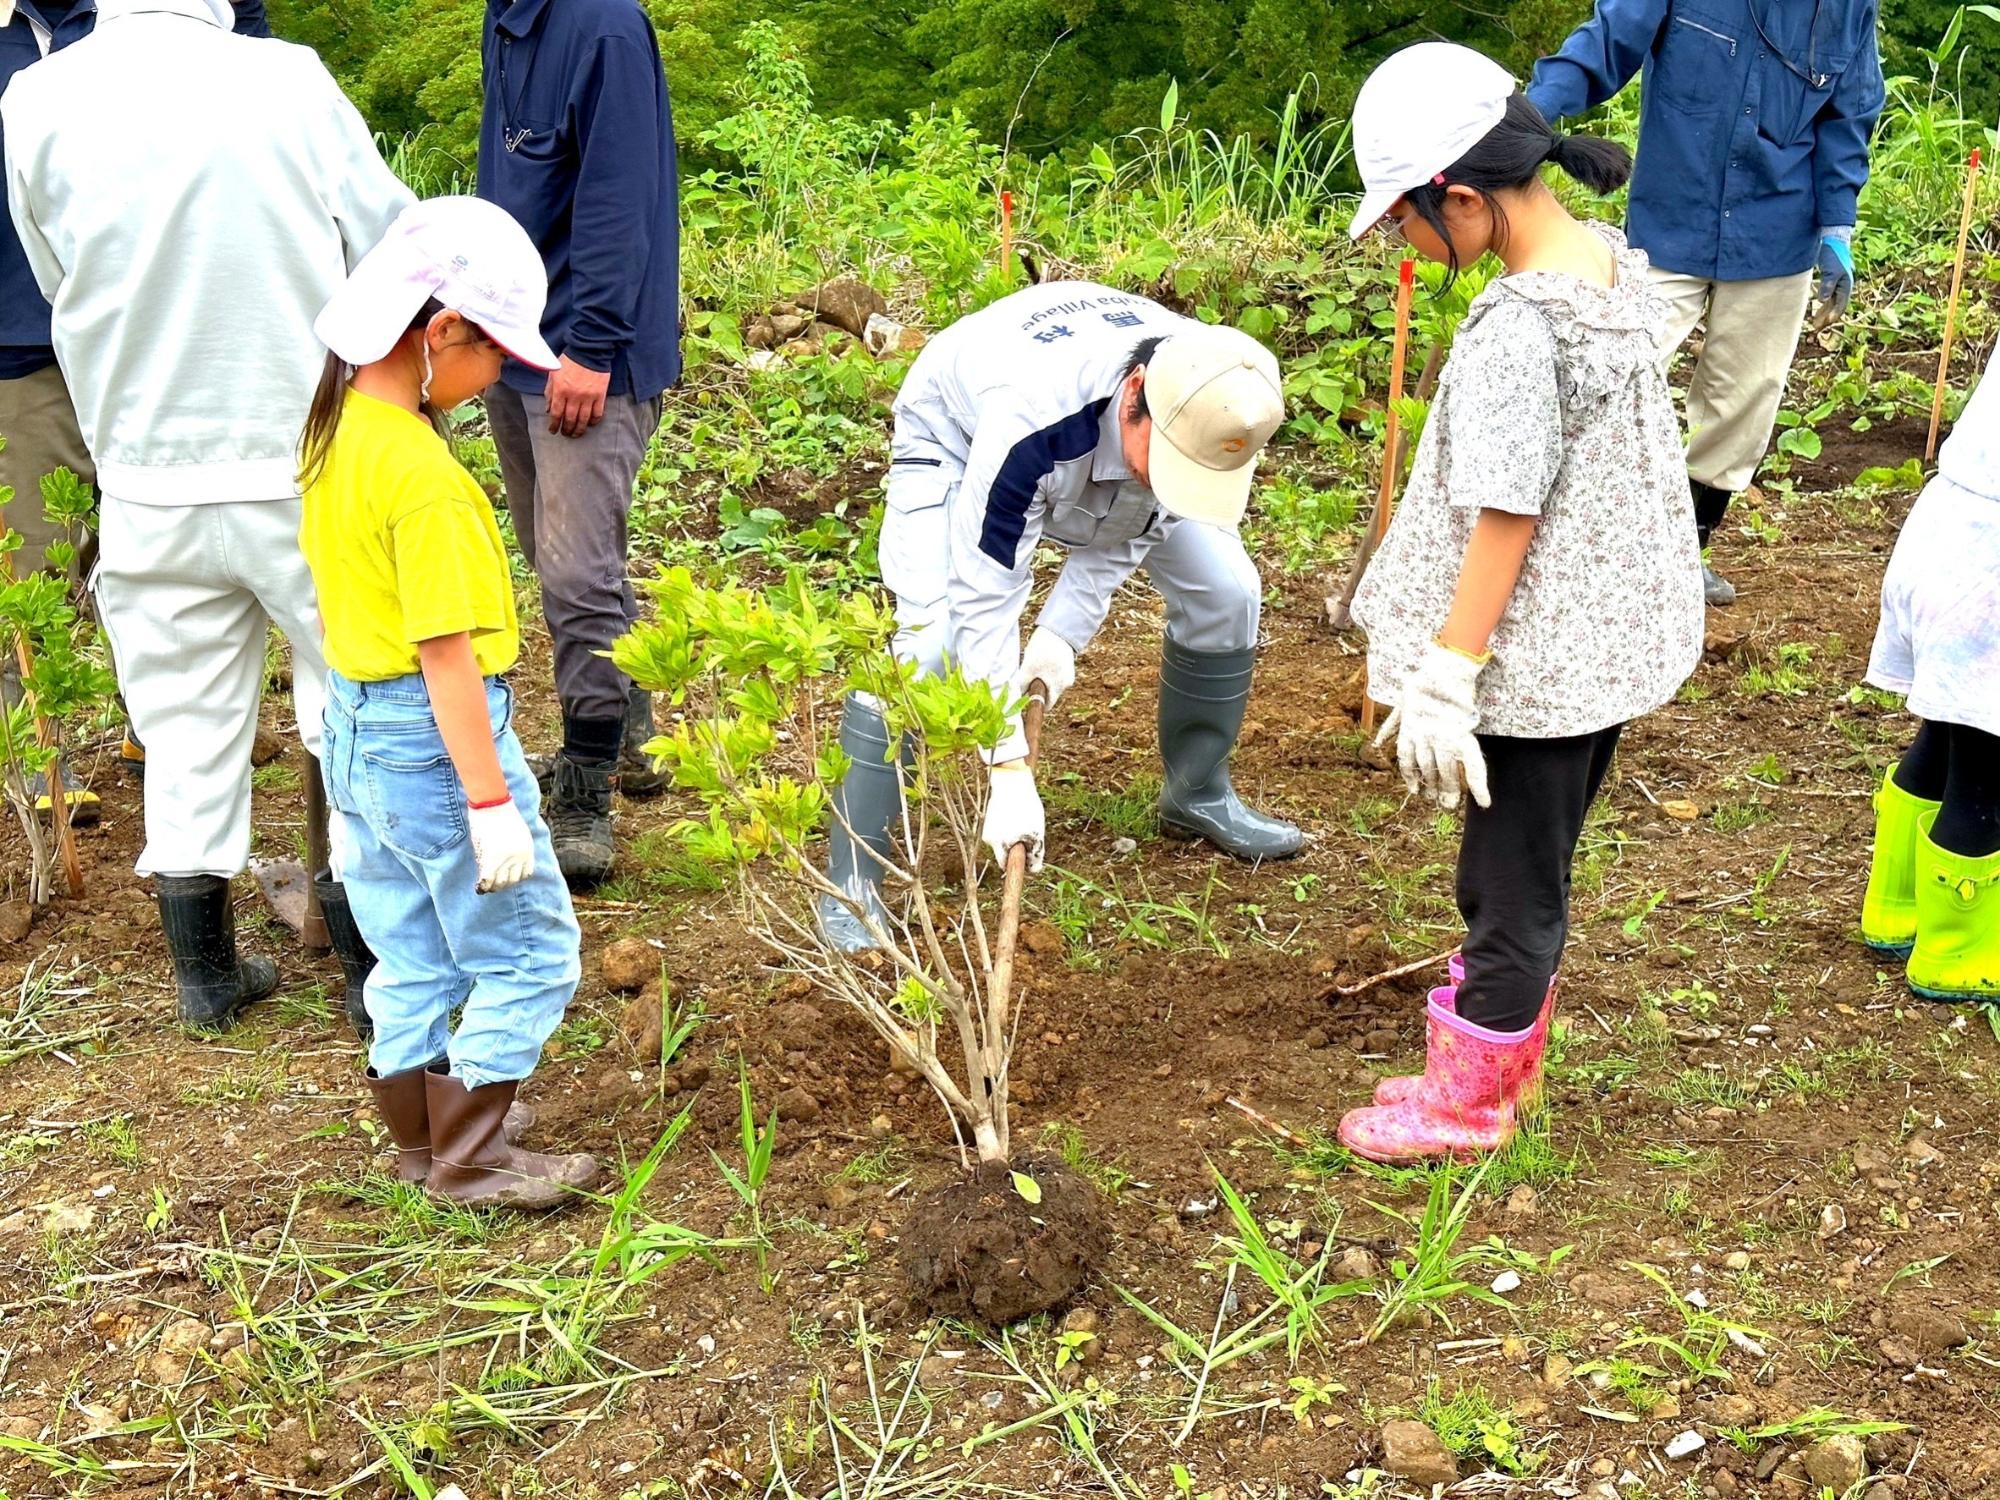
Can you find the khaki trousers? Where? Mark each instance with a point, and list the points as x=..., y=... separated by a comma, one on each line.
x=1738, y=380
x=39, y=424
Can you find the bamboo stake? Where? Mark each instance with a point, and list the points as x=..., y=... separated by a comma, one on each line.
x=66, y=850
x=1951, y=306
x=1007, y=235
x=1339, y=607
x=1385, y=494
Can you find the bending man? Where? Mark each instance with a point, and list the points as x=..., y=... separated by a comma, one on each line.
x=1099, y=422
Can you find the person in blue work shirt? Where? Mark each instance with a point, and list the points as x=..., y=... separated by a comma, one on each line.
x=1753, y=146
x=576, y=141
x=37, y=418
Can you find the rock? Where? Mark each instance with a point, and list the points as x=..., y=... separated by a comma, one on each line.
x=1042, y=939
x=1523, y=1201
x=881, y=1127
x=1921, y=1151
x=1931, y=1330
x=848, y=304
x=1680, y=809
x=1505, y=1282
x=1685, y=1444
x=1736, y=1260
x=25, y=1429
x=1380, y=1042
x=642, y=1024
x=1867, y=1159
x=1122, y=847
x=760, y=332
x=1837, y=1463
x=1356, y=1264
x=16, y=917
x=1666, y=1408
x=789, y=325
x=1832, y=1221
x=1413, y=1451
x=1556, y=1370
x=796, y=1106
x=266, y=746
x=1736, y=1411
x=1721, y=640
x=628, y=964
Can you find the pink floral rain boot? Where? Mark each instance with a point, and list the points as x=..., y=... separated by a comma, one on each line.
x=1395, y=1090
x=1473, y=1079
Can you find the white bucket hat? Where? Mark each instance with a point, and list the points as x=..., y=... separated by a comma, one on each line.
x=470, y=255
x=1421, y=110
x=1215, y=397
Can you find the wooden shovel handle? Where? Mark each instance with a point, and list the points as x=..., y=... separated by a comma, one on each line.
x=1016, y=878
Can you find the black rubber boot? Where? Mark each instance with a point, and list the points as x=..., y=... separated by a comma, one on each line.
x=1202, y=698
x=636, y=776
x=200, y=923
x=579, y=817
x=869, y=798
x=1710, y=506
x=357, y=959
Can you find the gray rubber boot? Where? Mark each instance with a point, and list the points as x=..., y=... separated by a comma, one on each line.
x=1202, y=696
x=870, y=797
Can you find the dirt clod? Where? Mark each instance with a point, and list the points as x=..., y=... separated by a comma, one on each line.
x=266, y=746
x=1931, y=1330
x=847, y=304
x=1414, y=1452
x=16, y=917
x=628, y=963
x=978, y=1248
x=796, y=1106
x=1043, y=939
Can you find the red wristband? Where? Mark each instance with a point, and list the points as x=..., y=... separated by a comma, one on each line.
x=495, y=802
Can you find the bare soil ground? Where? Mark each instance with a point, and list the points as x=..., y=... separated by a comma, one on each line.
x=211, y=1290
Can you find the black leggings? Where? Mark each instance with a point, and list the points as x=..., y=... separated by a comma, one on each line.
x=1514, y=867
x=1960, y=767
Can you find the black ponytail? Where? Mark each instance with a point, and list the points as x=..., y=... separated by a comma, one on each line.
x=1509, y=156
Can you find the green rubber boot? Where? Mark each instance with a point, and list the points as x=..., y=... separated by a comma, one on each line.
x=1889, y=909
x=1957, y=954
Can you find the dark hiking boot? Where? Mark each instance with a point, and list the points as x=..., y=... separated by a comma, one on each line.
x=579, y=817
x=636, y=776
x=199, y=920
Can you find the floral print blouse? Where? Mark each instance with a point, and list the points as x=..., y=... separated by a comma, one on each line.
x=1554, y=404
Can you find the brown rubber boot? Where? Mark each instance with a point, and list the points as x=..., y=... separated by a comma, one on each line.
x=472, y=1161
x=402, y=1102
x=399, y=1099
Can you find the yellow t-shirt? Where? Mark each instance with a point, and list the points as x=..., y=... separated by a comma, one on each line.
x=403, y=548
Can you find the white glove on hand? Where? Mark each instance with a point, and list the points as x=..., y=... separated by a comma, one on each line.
x=1014, y=815
x=1050, y=659
x=1433, y=726
x=503, y=844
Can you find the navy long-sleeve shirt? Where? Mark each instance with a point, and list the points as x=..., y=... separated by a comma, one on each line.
x=24, y=314
x=1754, y=125
x=576, y=141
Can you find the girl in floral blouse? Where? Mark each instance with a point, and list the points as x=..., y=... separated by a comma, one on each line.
x=1541, y=584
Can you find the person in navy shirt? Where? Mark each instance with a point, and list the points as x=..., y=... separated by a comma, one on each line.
x=576, y=141
x=1753, y=146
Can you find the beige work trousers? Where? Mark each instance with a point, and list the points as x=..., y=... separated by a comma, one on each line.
x=39, y=424
x=1738, y=380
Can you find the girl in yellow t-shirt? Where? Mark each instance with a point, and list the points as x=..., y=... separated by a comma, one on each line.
x=437, y=833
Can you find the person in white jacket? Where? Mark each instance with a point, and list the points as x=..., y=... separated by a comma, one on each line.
x=1126, y=434
x=187, y=228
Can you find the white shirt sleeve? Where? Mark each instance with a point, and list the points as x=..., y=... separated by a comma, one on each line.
x=360, y=192
x=41, y=255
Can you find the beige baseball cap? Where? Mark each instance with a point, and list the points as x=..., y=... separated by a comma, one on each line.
x=1216, y=397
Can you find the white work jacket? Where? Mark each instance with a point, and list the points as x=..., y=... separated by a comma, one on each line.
x=187, y=225
x=1019, y=402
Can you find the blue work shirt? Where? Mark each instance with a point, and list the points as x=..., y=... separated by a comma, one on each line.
x=1753, y=126
x=576, y=140
x=24, y=314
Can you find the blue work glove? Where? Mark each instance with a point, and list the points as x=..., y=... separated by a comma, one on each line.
x=1836, y=272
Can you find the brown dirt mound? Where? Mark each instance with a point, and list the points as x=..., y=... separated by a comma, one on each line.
x=977, y=1248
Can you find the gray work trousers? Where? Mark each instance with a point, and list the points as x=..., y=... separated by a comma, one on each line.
x=570, y=498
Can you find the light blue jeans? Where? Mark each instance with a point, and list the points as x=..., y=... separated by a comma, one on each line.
x=405, y=854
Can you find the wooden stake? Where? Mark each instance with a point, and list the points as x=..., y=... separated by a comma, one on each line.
x=1951, y=307
x=999, y=991
x=1385, y=494
x=1006, y=235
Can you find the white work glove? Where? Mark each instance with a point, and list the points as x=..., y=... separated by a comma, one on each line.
x=503, y=843
x=1049, y=659
x=1433, y=726
x=1014, y=815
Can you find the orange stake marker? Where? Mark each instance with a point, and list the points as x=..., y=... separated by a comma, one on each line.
x=1386, y=496
x=1951, y=307
x=1006, y=234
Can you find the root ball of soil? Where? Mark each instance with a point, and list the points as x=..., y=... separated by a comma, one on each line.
x=977, y=1248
